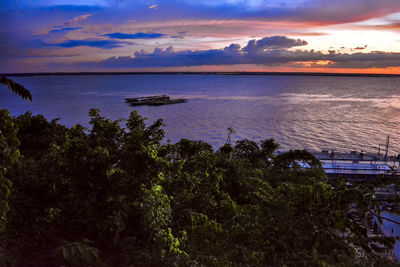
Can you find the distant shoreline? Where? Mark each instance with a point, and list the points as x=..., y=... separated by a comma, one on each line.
x=199, y=73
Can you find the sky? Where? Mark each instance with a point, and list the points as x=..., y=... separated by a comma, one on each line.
x=345, y=36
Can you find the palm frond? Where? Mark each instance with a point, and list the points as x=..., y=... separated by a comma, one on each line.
x=16, y=88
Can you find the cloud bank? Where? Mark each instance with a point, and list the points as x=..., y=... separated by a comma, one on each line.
x=66, y=29
x=268, y=51
x=104, y=44
x=139, y=35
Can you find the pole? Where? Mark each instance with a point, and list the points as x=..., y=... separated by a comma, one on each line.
x=387, y=148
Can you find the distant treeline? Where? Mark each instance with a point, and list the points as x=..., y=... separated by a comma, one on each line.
x=200, y=73
x=116, y=196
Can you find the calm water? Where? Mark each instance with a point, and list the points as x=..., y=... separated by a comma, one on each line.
x=341, y=113
x=391, y=229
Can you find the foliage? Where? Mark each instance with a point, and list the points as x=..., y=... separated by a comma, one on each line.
x=16, y=88
x=118, y=196
x=79, y=253
x=9, y=154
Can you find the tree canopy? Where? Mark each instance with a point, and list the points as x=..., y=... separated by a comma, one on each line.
x=116, y=195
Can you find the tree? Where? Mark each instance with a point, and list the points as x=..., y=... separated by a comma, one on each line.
x=9, y=157
x=118, y=196
x=9, y=154
x=16, y=88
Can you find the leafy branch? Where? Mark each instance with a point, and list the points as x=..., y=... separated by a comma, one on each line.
x=16, y=88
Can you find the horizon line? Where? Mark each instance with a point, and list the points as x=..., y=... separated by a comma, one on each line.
x=279, y=73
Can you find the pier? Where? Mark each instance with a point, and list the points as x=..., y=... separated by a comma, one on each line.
x=357, y=165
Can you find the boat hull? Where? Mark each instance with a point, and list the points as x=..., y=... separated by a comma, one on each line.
x=167, y=102
x=156, y=100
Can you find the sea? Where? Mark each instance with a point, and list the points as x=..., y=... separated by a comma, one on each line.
x=299, y=112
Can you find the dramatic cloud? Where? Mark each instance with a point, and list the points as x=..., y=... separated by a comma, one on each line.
x=295, y=10
x=104, y=44
x=393, y=26
x=76, y=19
x=65, y=29
x=153, y=7
x=269, y=51
x=139, y=35
x=52, y=56
x=361, y=47
x=274, y=42
x=81, y=17
x=376, y=59
x=49, y=3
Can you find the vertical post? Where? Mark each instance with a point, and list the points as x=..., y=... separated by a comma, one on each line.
x=387, y=148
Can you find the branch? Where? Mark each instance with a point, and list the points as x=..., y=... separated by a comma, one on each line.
x=16, y=88
x=384, y=218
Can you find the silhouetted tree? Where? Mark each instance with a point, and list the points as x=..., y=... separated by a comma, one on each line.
x=16, y=88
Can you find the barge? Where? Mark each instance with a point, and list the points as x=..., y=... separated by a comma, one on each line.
x=155, y=100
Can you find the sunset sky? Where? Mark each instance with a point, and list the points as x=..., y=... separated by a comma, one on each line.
x=209, y=35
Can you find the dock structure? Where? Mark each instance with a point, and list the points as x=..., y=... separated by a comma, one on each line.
x=357, y=165
x=356, y=170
